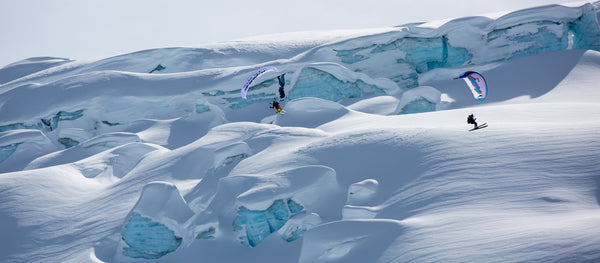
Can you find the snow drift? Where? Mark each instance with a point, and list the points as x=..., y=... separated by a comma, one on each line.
x=372, y=162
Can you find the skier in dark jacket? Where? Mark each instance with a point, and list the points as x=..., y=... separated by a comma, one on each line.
x=471, y=120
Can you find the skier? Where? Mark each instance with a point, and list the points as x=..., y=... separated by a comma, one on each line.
x=281, y=84
x=471, y=120
x=275, y=105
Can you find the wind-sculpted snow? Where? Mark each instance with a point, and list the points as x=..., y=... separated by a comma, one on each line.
x=360, y=196
x=204, y=83
x=298, y=225
x=29, y=66
x=87, y=112
x=175, y=60
x=311, y=112
x=349, y=241
x=372, y=162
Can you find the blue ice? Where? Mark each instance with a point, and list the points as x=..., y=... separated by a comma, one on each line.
x=7, y=150
x=585, y=31
x=68, y=142
x=263, y=92
x=53, y=121
x=418, y=106
x=50, y=123
x=148, y=239
x=545, y=39
x=202, y=108
x=320, y=84
x=46, y=123
x=256, y=225
x=422, y=54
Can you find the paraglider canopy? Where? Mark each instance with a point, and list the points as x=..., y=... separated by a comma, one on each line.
x=476, y=83
x=253, y=76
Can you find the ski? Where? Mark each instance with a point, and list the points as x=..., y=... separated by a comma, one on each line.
x=484, y=125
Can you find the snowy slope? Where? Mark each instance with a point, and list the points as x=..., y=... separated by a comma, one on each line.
x=105, y=162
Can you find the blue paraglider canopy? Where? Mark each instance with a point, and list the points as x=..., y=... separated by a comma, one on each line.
x=476, y=83
x=253, y=76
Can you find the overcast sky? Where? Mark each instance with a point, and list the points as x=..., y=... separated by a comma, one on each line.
x=94, y=29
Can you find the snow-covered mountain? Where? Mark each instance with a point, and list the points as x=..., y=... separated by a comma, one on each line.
x=154, y=156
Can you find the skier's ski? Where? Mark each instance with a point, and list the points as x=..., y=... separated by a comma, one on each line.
x=479, y=127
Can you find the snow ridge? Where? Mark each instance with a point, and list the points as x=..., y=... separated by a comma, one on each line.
x=110, y=161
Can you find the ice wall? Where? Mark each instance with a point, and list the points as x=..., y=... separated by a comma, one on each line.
x=411, y=54
x=417, y=48
x=255, y=225
x=322, y=84
x=402, y=55
x=251, y=207
x=419, y=99
x=50, y=123
x=329, y=81
x=584, y=30
x=148, y=239
x=155, y=226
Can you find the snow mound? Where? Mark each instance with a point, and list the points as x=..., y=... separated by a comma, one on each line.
x=360, y=197
x=420, y=99
x=349, y=241
x=17, y=147
x=262, y=204
x=310, y=112
x=382, y=105
x=28, y=66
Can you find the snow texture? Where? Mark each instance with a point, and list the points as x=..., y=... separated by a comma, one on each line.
x=103, y=161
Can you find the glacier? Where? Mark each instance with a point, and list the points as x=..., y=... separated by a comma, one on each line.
x=419, y=48
x=185, y=167
x=399, y=56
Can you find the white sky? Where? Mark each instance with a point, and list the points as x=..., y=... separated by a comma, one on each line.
x=94, y=29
